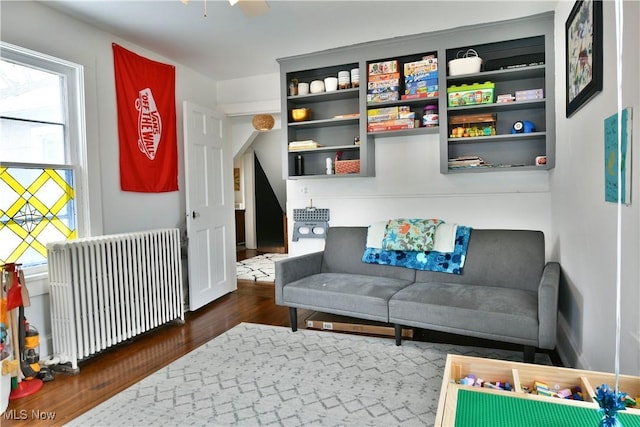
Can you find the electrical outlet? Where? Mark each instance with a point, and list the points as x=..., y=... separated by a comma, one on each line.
x=309, y=323
x=304, y=190
x=327, y=325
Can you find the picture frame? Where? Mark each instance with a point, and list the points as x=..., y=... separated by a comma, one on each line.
x=583, y=40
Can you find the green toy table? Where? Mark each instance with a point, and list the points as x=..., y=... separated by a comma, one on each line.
x=464, y=405
x=477, y=409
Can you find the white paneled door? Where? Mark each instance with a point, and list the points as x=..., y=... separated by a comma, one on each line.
x=209, y=202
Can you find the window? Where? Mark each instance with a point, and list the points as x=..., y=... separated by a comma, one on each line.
x=42, y=155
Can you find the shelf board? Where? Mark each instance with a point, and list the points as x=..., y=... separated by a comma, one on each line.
x=325, y=96
x=480, y=169
x=326, y=148
x=405, y=132
x=529, y=72
x=502, y=106
x=325, y=123
x=498, y=138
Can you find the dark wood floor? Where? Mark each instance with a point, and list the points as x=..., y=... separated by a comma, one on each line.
x=100, y=378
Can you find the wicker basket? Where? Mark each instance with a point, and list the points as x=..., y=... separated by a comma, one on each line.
x=347, y=166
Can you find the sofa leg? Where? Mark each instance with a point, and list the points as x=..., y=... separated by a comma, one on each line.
x=529, y=353
x=293, y=318
x=398, y=330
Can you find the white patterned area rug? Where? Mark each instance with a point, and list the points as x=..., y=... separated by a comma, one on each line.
x=260, y=268
x=267, y=375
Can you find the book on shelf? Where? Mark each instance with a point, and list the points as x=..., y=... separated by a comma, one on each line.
x=303, y=145
x=466, y=162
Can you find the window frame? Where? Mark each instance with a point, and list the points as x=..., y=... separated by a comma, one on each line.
x=75, y=142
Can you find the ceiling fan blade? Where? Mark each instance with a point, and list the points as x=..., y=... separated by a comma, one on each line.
x=253, y=8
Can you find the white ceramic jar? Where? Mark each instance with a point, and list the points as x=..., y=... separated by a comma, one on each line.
x=330, y=84
x=344, y=79
x=316, y=86
x=303, y=88
x=355, y=77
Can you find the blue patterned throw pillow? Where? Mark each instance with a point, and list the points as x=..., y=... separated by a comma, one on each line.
x=444, y=262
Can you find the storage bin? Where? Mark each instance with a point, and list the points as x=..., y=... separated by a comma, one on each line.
x=347, y=166
x=466, y=63
x=472, y=125
x=473, y=94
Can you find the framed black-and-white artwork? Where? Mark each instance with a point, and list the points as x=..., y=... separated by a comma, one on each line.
x=583, y=32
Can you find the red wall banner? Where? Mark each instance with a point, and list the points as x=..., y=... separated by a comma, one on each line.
x=146, y=101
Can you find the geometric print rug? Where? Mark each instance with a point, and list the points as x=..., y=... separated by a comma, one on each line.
x=260, y=268
x=267, y=375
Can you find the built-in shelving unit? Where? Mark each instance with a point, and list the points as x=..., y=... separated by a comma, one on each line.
x=517, y=55
x=334, y=124
x=512, y=65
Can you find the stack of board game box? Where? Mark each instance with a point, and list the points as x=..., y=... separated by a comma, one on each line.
x=383, y=82
x=421, y=78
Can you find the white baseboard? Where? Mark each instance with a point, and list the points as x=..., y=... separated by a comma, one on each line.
x=567, y=348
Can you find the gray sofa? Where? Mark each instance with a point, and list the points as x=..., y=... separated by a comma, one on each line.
x=507, y=291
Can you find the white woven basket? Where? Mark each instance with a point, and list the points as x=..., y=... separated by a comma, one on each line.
x=467, y=63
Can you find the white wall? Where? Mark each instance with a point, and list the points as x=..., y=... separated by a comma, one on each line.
x=585, y=223
x=36, y=27
x=408, y=183
x=265, y=145
x=31, y=25
x=566, y=203
x=249, y=96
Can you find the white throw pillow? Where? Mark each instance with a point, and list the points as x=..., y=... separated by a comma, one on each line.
x=445, y=239
x=375, y=234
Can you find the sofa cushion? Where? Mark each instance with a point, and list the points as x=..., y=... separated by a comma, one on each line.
x=481, y=311
x=498, y=258
x=343, y=251
x=349, y=294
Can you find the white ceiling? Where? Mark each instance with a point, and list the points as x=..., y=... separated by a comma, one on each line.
x=226, y=44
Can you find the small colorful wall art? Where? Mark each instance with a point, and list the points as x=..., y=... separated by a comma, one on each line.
x=613, y=171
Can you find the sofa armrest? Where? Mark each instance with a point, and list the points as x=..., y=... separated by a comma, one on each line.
x=548, y=305
x=291, y=269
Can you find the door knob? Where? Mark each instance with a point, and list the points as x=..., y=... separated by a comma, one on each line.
x=195, y=214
